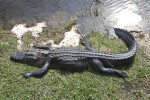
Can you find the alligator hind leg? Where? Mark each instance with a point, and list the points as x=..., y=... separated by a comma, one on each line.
x=98, y=65
x=43, y=47
x=38, y=73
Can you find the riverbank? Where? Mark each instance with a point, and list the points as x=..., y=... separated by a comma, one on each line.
x=58, y=84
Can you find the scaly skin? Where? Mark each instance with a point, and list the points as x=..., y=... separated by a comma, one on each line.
x=77, y=59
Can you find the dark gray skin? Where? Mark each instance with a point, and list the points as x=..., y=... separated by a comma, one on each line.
x=76, y=59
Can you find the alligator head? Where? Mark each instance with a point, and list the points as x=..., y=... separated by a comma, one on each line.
x=35, y=57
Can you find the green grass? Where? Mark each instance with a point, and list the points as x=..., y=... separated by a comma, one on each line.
x=57, y=84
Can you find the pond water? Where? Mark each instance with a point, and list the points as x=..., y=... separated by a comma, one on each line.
x=54, y=12
x=101, y=15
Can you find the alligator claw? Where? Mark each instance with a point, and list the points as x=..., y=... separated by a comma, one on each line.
x=83, y=42
x=35, y=46
x=26, y=75
x=121, y=73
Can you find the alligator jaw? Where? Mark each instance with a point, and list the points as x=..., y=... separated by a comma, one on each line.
x=31, y=57
x=23, y=57
x=17, y=56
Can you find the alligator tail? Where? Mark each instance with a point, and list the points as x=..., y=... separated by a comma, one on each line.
x=127, y=38
x=123, y=59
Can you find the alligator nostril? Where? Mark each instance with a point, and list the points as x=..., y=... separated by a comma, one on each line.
x=13, y=56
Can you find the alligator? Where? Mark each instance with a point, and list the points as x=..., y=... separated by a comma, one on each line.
x=76, y=59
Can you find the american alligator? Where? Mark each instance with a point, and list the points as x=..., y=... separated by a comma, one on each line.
x=79, y=59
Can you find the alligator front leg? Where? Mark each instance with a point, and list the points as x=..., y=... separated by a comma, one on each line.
x=43, y=47
x=86, y=44
x=98, y=65
x=38, y=73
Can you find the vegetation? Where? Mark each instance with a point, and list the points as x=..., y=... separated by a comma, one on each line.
x=58, y=84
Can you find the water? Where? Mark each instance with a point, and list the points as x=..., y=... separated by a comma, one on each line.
x=100, y=15
x=119, y=14
x=54, y=12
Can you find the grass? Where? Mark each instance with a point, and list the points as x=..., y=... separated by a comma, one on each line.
x=57, y=84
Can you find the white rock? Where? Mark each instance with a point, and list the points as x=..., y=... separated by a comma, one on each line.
x=21, y=29
x=71, y=38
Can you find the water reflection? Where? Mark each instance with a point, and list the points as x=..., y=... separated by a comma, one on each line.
x=129, y=13
x=118, y=13
x=127, y=18
x=92, y=14
x=126, y=15
x=33, y=11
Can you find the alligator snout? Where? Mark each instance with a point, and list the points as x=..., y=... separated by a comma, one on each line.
x=17, y=56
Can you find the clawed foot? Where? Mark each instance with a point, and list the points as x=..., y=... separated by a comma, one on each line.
x=83, y=42
x=43, y=47
x=26, y=75
x=121, y=74
x=35, y=46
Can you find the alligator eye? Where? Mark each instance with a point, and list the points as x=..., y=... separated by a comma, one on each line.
x=29, y=54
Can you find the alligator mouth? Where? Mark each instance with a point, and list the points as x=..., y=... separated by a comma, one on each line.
x=23, y=58
x=17, y=56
